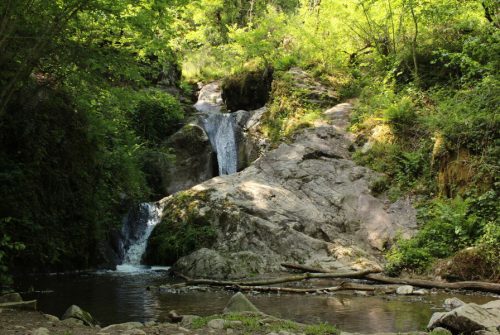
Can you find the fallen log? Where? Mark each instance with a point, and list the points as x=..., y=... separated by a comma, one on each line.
x=279, y=280
x=319, y=290
x=464, y=285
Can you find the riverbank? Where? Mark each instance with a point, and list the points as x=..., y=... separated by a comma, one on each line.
x=240, y=316
x=37, y=323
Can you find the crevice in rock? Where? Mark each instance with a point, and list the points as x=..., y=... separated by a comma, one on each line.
x=317, y=154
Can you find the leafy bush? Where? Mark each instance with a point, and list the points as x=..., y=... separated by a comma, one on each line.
x=448, y=226
x=6, y=245
x=157, y=115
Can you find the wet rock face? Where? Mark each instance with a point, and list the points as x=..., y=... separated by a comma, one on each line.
x=248, y=90
x=194, y=159
x=304, y=202
x=250, y=142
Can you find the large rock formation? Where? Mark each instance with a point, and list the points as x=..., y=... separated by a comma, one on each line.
x=305, y=202
x=194, y=159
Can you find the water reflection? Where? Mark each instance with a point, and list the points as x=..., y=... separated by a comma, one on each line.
x=114, y=297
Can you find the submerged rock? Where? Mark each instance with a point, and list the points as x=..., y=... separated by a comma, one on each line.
x=240, y=303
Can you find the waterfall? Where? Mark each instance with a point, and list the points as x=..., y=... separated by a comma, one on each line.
x=220, y=131
x=136, y=230
x=220, y=128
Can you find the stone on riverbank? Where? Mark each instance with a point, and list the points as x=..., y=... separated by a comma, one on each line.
x=40, y=331
x=122, y=327
x=75, y=312
x=216, y=324
x=452, y=303
x=469, y=318
x=404, y=290
x=10, y=297
x=240, y=303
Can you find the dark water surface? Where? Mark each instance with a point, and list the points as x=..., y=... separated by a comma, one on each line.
x=114, y=297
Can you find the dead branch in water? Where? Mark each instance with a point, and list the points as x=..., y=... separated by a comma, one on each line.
x=279, y=280
x=464, y=285
x=320, y=290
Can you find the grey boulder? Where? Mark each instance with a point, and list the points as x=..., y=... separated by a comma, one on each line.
x=75, y=312
x=468, y=318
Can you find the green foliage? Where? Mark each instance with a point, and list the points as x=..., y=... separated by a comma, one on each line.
x=7, y=246
x=157, y=116
x=489, y=245
x=448, y=226
x=252, y=324
x=466, y=117
x=293, y=106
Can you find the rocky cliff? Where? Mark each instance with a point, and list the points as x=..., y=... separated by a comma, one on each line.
x=305, y=202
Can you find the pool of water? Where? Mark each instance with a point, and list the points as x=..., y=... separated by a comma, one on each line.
x=121, y=296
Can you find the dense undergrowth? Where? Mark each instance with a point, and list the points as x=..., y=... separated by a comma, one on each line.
x=436, y=138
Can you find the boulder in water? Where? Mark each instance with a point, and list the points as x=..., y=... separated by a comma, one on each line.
x=404, y=290
x=75, y=312
x=240, y=303
x=468, y=318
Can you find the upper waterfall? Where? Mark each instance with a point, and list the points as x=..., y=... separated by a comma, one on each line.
x=220, y=127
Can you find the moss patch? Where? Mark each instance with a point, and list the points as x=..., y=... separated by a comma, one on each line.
x=297, y=101
x=251, y=323
x=185, y=227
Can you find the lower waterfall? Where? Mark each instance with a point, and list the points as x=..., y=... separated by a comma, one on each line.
x=136, y=230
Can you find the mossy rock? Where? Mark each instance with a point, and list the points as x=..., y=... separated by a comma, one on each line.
x=247, y=90
x=185, y=227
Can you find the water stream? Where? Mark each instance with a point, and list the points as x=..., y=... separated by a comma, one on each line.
x=220, y=127
x=136, y=230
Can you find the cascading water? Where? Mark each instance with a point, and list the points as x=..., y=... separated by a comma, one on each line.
x=136, y=230
x=220, y=128
x=220, y=131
